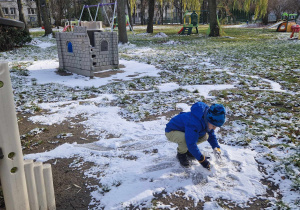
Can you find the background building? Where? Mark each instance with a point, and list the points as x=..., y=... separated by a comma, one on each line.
x=10, y=10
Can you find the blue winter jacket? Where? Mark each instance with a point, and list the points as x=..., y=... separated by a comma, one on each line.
x=194, y=125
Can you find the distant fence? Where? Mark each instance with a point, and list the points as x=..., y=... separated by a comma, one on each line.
x=25, y=184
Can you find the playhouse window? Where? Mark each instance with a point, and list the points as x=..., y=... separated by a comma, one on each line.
x=70, y=47
x=104, y=46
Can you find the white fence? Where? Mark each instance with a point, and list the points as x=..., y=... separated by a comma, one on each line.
x=25, y=184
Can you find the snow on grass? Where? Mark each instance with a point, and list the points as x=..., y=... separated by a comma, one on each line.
x=42, y=44
x=155, y=168
x=160, y=35
x=45, y=72
x=201, y=89
x=256, y=80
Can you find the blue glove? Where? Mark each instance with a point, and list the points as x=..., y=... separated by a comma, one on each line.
x=204, y=162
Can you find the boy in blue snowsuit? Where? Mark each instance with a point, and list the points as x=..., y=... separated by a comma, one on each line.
x=188, y=129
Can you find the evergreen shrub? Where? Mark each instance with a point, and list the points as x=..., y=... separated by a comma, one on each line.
x=11, y=37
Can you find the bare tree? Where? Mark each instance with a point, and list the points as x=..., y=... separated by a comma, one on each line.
x=58, y=9
x=281, y=6
x=122, y=22
x=161, y=12
x=39, y=13
x=151, y=16
x=46, y=18
x=292, y=6
x=178, y=6
x=21, y=14
x=143, y=7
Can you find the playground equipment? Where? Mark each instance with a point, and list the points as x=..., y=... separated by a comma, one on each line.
x=87, y=48
x=295, y=29
x=288, y=20
x=25, y=184
x=115, y=22
x=69, y=25
x=100, y=5
x=192, y=21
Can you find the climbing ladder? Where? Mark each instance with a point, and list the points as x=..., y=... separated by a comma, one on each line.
x=187, y=30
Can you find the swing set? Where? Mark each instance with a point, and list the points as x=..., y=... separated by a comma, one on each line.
x=93, y=21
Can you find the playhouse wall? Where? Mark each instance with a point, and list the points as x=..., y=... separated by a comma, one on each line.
x=83, y=58
x=105, y=59
x=79, y=61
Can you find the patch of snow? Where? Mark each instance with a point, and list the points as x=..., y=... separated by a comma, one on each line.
x=171, y=42
x=202, y=89
x=205, y=89
x=45, y=72
x=168, y=87
x=160, y=35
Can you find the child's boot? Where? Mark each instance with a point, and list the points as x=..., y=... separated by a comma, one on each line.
x=190, y=156
x=183, y=159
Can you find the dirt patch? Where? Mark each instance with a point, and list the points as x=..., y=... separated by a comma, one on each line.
x=133, y=75
x=51, y=136
x=70, y=186
x=107, y=73
x=177, y=201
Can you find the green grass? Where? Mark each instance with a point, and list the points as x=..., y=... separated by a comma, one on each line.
x=37, y=33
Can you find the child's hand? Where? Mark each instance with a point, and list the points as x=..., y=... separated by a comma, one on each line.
x=217, y=153
x=205, y=163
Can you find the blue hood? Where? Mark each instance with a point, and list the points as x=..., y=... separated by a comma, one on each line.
x=198, y=110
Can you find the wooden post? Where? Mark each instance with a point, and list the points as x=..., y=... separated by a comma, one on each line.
x=12, y=173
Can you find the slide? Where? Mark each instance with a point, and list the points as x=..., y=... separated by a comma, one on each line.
x=180, y=30
x=67, y=28
x=275, y=24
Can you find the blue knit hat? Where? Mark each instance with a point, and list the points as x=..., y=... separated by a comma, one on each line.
x=216, y=115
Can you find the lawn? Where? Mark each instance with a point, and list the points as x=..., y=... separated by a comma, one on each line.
x=109, y=132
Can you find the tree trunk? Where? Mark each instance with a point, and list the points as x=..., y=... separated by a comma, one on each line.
x=151, y=16
x=122, y=22
x=1, y=12
x=39, y=16
x=265, y=19
x=75, y=9
x=134, y=15
x=46, y=18
x=21, y=14
x=142, y=12
x=213, y=21
x=162, y=14
x=181, y=15
x=59, y=15
x=129, y=15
